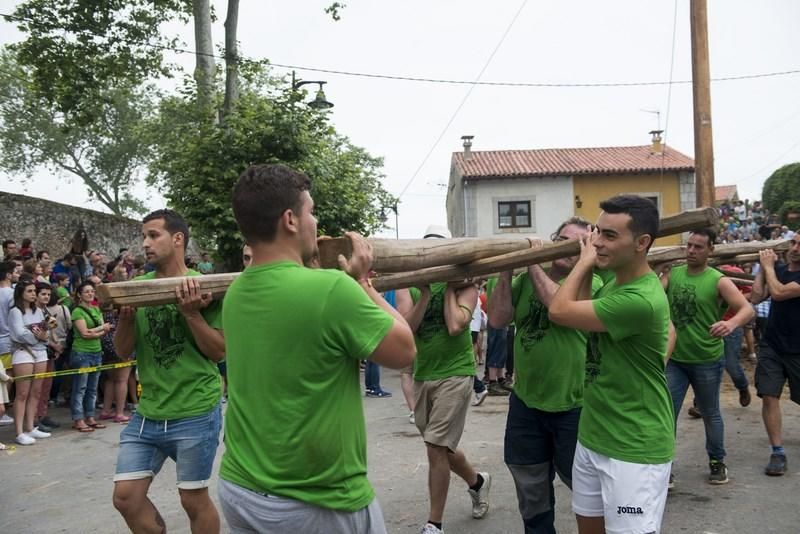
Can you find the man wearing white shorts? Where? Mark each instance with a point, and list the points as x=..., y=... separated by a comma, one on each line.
x=625, y=434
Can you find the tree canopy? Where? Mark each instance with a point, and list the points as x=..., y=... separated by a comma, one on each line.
x=782, y=186
x=108, y=154
x=196, y=162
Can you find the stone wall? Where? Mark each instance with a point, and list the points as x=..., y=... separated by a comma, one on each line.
x=51, y=226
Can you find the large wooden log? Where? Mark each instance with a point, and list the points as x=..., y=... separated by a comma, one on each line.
x=674, y=224
x=159, y=291
x=401, y=255
x=162, y=291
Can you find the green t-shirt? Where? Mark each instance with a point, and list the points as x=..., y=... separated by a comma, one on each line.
x=549, y=359
x=295, y=421
x=694, y=307
x=605, y=275
x=63, y=296
x=177, y=380
x=93, y=318
x=440, y=355
x=627, y=408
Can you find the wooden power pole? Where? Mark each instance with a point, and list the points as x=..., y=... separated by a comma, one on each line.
x=701, y=92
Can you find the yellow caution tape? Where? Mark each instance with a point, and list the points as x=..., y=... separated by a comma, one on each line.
x=80, y=371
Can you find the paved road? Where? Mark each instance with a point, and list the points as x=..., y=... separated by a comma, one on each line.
x=63, y=484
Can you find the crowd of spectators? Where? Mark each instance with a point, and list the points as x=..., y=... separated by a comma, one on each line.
x=50, y=321
x=741, y=222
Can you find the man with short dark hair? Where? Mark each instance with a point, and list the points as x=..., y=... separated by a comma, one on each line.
x=779, y=354
x=177, y=349
x=9, y=248
x=626, y=431
x=698, y=296
x=295, y=439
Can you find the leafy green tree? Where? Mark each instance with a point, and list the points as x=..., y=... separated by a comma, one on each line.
x=107, y=155
x=783, y=185
x=197, y=163
x=77, y=49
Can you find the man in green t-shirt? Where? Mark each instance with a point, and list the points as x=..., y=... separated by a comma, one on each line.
x=295, y=438
x=625, y=435
x=177, y=349
x=698, y=296
x=545, y=406
x=444, y=371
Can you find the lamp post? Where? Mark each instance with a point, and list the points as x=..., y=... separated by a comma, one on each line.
x=319, y=102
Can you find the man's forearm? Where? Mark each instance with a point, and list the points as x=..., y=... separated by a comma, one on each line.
x=500, y=308
x=209, y=340
x=570, y=289
x=414, y=318
x=125, y=338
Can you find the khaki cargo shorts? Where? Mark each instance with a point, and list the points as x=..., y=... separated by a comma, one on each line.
x=441, y=409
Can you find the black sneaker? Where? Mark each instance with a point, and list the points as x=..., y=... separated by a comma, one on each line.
x=719, y=473
x=776, y=466
x=496, y=390
x=694, y=413
x=671, y=483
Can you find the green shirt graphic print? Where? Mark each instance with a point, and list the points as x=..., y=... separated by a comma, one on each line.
x=627, y=408
x=440, y=355
x=694, y=307
x=549, y=359
x=177, y=379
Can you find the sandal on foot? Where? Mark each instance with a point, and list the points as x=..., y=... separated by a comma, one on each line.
x=83, y=428
x=105, y=416
x=96, y=425
x=121, y=419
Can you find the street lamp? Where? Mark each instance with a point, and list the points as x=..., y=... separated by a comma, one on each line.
x=319, y=101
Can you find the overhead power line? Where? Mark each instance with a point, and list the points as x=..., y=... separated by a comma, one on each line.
x=445, y=81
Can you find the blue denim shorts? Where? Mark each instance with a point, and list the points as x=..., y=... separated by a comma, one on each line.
x=191, y=442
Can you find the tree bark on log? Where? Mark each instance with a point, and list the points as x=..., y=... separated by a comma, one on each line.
x=162, y=291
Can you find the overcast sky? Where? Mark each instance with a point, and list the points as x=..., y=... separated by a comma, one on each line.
x=755, y=121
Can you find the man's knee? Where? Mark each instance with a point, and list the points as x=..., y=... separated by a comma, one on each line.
x=534, y=488
x=129, y=495
x=195, y=501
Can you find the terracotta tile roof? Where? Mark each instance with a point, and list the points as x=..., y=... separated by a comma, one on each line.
x=725, y=192
x=569, y=162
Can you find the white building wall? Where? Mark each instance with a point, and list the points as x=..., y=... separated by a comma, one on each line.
x=551, y=203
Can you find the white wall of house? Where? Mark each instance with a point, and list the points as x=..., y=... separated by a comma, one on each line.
x=551, y=200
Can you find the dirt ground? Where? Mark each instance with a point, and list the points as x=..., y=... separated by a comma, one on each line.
x=63, y=484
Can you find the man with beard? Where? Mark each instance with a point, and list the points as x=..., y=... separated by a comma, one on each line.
x=545, y=406
x=779, y=357
x=295, y=438
x=177, y=349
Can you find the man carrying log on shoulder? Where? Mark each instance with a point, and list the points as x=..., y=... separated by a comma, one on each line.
x=177, y=350
x=550, y=362
x=625, y=435
x=698, y=296
x=779, y=354
x=444, y=371
x=295, y=438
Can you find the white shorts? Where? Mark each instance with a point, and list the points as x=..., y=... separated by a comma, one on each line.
x=23, y=356
x=631, y=497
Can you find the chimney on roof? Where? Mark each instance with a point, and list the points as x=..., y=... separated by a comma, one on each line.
x=467, y=146
x=656, y=147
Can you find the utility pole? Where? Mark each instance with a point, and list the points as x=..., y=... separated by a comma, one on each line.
x=701, y=93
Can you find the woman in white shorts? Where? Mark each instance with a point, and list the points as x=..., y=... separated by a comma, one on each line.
x=28, y=356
